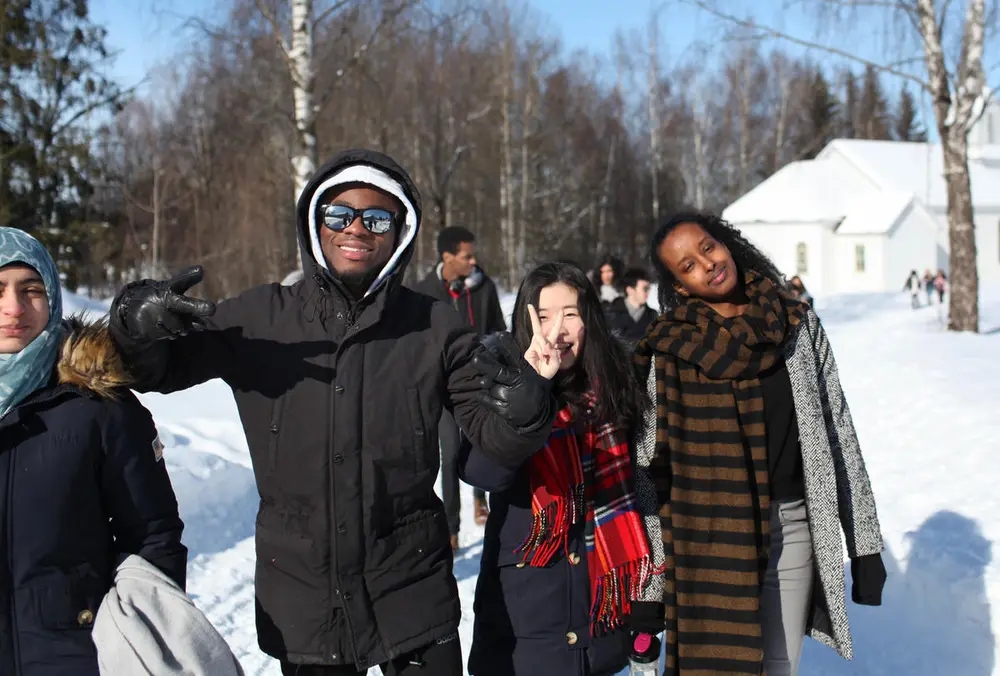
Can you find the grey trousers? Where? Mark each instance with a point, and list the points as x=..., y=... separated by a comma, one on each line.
x=786, y=597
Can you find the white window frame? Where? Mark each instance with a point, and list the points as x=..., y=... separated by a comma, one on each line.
x=802, y=258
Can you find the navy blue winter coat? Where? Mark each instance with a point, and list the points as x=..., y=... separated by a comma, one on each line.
x=531, y=621
x=81, y=483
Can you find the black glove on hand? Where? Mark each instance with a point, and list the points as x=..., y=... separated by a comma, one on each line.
x=646, y=617
x=149, y=310
x=509, y=386
x=868, y=575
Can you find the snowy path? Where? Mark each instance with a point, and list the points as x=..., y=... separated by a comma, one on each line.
x=925, y=403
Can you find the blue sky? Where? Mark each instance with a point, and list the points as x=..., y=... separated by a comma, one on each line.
x=148, y=32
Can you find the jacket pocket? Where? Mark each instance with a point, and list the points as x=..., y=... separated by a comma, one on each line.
x=287, y=552
x=274, y=433
x=68, y=600
x=533, y=602
x=418, y=429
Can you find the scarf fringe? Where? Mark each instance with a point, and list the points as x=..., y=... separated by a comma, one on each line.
x=615, y=591
x=550, y=528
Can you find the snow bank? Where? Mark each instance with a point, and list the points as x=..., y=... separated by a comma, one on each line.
x=924, y=402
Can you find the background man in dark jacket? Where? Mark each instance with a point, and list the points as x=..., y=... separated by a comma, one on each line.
x=629, y=315
x=340, y=380
x=460, y=282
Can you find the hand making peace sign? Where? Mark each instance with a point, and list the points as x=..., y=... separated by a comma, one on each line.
x=542, y=354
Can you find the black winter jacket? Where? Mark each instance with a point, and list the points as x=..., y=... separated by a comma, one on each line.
x=477, y=304
x=623, y=326
x=340, y=402
x=531, y=620
x=80, y=485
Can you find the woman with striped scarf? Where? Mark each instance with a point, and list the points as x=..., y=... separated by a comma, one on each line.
x=565, y=552
x=754, y=460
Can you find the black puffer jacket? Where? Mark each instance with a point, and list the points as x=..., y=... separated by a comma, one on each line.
x=81, y=482
x=478, y=303
x=623, y=326
x=340, y=404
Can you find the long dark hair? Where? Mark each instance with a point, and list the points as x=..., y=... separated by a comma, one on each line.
x=747, y=256
x=604, y=368
x=616, y=266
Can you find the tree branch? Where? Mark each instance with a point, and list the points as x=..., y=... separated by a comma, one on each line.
x=781, y=35
x=95, y=105
x=208, y=30
x=278, y=38
x=335, y=7
x=386, y=19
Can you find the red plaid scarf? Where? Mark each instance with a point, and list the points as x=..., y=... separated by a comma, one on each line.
x=587, y=474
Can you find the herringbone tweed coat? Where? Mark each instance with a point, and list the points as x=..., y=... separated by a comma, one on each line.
x=838, y=492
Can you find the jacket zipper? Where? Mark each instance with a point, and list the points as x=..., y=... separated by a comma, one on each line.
x=9, y=528
x=351, y=314
x=332, y=580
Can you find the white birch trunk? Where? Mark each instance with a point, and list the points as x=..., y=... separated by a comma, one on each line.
x=699, y=152
x=522, y=221
x=155, y=253
x=303, y=82
x=743, y=100
x=507, y=171
x=954, y=113
x=654, y=120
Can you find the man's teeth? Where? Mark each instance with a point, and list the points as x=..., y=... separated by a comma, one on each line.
x=355, y=250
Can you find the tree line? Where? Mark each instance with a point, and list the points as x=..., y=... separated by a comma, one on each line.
x=541, y=152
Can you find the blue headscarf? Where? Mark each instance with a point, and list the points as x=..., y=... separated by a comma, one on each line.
x=30, y=369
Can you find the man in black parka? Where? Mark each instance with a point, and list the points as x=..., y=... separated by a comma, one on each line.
x=460, y=282
x=340, y=380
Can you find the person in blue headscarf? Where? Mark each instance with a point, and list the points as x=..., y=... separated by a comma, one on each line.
x=82, y=479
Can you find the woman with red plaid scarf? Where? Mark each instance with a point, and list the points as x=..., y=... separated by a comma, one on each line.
x=565, y=552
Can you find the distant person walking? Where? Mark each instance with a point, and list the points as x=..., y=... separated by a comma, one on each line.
x=799, y=290
x=913, y=285
x=929, y=285
x=941, y=285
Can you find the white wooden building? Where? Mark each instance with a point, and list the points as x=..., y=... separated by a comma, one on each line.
x=863, y=214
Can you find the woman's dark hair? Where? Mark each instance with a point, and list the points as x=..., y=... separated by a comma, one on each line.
x=604, y=368
x=746, y=255
x=616, y=265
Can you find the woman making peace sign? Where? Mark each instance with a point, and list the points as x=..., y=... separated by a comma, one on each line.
x=564, y=550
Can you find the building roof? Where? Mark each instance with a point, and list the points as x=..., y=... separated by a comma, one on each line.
x=809, y=191
x=875, y=214
x=918, y=168
x=864, y=187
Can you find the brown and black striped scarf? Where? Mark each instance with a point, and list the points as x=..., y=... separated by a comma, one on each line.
x=710, y=470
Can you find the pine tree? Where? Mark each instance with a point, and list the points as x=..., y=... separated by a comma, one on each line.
x=872, y=119
x=821, y=117
x=50, y=82
x=907, y=125
x=849, y=127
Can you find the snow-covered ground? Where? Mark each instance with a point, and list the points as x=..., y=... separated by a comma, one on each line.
x=925, y=403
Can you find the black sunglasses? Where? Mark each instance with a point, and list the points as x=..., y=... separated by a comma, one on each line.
x=338, y=217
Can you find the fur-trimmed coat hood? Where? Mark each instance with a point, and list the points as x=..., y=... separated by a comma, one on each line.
x=88, y=359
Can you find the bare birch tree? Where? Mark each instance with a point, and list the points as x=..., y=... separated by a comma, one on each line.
x=298, y=54
x=652, y=96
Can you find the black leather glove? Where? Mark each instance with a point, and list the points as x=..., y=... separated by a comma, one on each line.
x=509, y=386
x=646, y=617
x=149, y=310
x=868, y=576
